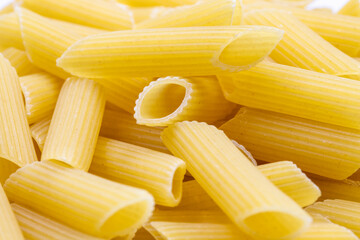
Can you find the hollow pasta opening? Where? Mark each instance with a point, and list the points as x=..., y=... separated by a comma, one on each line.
x=176, y=187
x=274, y=224
x=6, y=169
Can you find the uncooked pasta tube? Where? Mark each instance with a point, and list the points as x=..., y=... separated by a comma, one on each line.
x=203, y=13
x=20, y=61
x=141, y=14
x=159, y=173
x=41, y=91
x=173, y=99
x=351, y=8
x=9, y=227
x=319, y=148
x=195, y=51
x=37, y=226
x=39, y=131
x=94, y=13
x=147, y=3
x=75, y=123
x=294, y=91
x=342, y=212
x=10, y=31
x=246, y=196
x=302, y=47
x=80, y=200
x=77, y=29
x=15, y=139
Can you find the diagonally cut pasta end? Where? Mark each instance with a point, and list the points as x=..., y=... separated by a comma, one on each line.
x=247, y=48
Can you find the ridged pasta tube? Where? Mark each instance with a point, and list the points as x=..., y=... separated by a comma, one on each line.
x=302, y=47
x=246, y=196
x=39, y=132
x=75, y=124
x=94, y=13
x=36, y=226
x=10, y=31
x=20, y=61
x=15, y=140
x=159, y=173
x=351, y=8
x=80, y=200
x=203, y=13
x=319, y=148
x=294, y=91
x=195, y=51
x=173, y=99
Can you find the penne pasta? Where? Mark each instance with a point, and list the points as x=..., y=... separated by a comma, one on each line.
x=36, y=226
x=94, y=13
x=41, y=91
x=351, y=8
x=39, y=132
x=159, y=173
x=16, y=145
x=296, y=50
x=191, y=51
x=173, y=99
x=82, y=201
x=211, y=156
x=75, y=124
x=298, y=92
x=346, y=189
x=20, y=61
x=10, y=31
x=203, y=13
x=344, y=213
x=76, y=29
x=148, y=3
x=9, y=227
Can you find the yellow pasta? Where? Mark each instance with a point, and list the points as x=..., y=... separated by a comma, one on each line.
x=36, y=226
x=77, y=29
x=246, y=196
x=159, y=173
x=75, y=124
x=173, y=99
x=148, y=3
x=296, y=92
x=39, y=131
x=344, y=213
x=80, y=200
x=351, y=8
x=9, y=227
x=191, y=51
x=15, y=139
x=301, y=47
x=6, y=169
x=10, y=31
x=41, y=91
x=203, y=13
x=346, y=189
x=93, y=13
x=7, y=9
x=20, y=61
x=143, y=13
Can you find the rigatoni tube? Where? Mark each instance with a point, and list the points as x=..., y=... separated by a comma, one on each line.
x=159, y=173
x=249, y=199
x=75, y=124
x=192, y=51
x=294, y=91
x=324, y=149
x=173, y=99
x=80, y=200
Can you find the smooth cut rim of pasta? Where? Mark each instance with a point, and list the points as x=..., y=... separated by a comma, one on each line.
x=170, y=118
x=176, y=185
x=215, y=60
x=148, y=206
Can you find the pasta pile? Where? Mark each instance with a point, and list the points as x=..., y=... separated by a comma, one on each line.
x=179, y=120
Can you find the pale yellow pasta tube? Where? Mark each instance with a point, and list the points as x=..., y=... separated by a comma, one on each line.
x=37, y=226
x=9, y=227
x=144, y=13
x=77, y=29
x=298, y=92
x=203, y=13
x=20, y=61
x=246, y=196
x=148, y=3
x=80, y=200
x=302, y=47
x=342, y=212
x=93, y=13
x=159, y=173
x=173, y=99
x=15, y=139
x=75, y=123
x=39, y=131
x=41, y=91
x=10, y=31
x=195, y=51
x=351, y=8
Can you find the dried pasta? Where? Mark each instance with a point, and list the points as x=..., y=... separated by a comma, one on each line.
x=39, y=132
x=10, y=31
x=148, y=3
x=19, y=61
x=351, y=8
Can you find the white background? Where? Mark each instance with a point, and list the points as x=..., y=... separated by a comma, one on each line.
x=335, y=5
